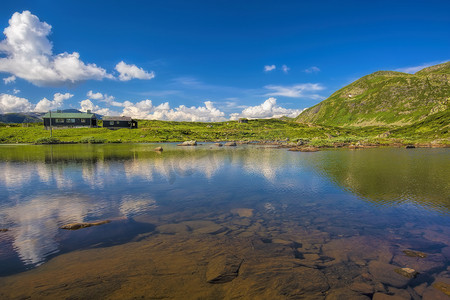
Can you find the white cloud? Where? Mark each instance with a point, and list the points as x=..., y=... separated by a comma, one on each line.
x=269, y=68
x=46, y=105
x=29, y=55
x=16, y=91
x=128, y=72
x=104, y=98
x=285, y=68
x=10, y=103
x=415, y=69
x=268, y=109
x=87, y=104
x=312, y=69
x=9, y=79
x=302, y=90
x=94, y=96
x=146, y=110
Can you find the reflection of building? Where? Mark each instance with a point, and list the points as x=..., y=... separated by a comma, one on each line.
x=119, y=122
x=68, y=120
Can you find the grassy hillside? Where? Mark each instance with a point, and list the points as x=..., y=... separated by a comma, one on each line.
x=385, y=98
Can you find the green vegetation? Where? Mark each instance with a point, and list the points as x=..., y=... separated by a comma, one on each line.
x=386, y=98
x=435, y=128
x=382, y=108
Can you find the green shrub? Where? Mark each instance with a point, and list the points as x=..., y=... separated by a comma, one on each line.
x=48, y=140
x=92, y=140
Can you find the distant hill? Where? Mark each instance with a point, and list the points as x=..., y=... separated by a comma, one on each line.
x=385, y=98
x=30, y=117
x=33, y=117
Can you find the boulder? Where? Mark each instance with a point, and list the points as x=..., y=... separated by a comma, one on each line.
x=188, y=143
x=218, y=144
x=385, y=273
x=410, y=147
x=76, y=226
x=412, y=253
x=223, y=268
x=407, y=272
x=243, y=212
x=158, y=149
x=3, y=229
x=230, y=144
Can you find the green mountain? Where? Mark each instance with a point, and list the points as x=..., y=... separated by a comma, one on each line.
x=21, y=117
x=385, y=98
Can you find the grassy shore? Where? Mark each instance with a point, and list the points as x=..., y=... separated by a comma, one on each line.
x=268, y=130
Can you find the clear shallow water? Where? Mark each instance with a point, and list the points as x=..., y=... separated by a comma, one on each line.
x=321, y=206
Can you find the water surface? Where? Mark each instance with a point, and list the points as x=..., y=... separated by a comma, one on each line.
x=336, y=218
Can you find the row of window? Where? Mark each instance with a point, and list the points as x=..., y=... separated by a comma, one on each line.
x=69, y=120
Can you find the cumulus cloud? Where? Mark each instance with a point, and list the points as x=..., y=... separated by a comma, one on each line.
x=269, y=68
x=16, y=91
x=285, y=69
x=128, y=72
x=303, y=90
x=46, y=105
x=146, y=110
x=312, y=69
x=9, y=79
x=10, y=103
x=87, y=104
x=268, y=109
x=28, y=55
x=94, y=96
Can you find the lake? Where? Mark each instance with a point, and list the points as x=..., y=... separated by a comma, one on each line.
x=209, y=222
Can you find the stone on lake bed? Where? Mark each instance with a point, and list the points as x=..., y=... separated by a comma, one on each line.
x=230, y=144
x=3, y=229
x=218, y=144
x=243, y=212
x=384, y=273
x=412, y=253
x=407, y=272
x=76, y=226
x=443, y=287
x=158, y=149
x=223, y=269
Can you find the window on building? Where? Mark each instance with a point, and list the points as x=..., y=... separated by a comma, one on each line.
x=70, y=120
x=59, y=120
x=111, y=122
x=83, y=120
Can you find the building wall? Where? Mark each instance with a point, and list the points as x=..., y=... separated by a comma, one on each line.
x=68, y=122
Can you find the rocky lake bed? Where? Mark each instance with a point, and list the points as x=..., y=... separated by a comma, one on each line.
x=284, y=225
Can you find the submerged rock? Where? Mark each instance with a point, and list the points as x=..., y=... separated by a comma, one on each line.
x=232, y=144
x=218, y=144
x=158, y=149
x=188, y=143
x=407, y=272
x=223, y=269
x=3, y=229
x=76, y=226
x=443, y=287
x=410, y=147
x=384, y=273
x=243, y=212
x=412, y=253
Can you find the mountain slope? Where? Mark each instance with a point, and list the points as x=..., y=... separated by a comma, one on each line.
x=385, y=98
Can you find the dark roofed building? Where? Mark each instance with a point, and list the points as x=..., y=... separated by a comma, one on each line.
x=119, y=122
x=69, y=120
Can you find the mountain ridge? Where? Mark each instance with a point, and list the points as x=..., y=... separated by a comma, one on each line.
x=385, y=98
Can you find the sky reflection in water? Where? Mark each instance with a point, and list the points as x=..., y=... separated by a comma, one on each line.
x=44, y=187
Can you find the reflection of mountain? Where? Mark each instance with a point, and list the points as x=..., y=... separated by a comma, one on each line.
x=391, y=176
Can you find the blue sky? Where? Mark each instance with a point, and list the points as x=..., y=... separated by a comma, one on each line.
x=207, y=60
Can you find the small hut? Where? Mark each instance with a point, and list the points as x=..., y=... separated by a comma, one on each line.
x=69, y=120
x=243, y=120
x=114, y=122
